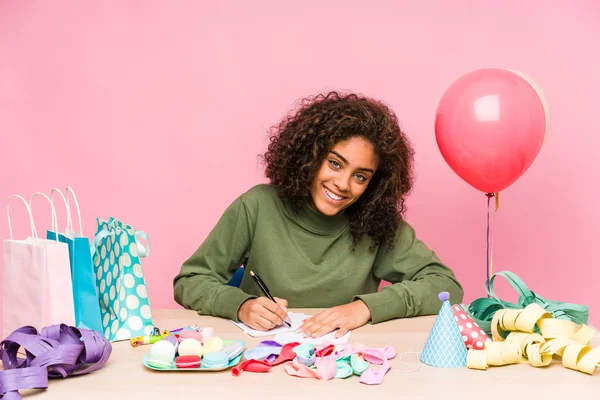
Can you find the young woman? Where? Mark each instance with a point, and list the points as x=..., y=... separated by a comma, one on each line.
x=325, y=231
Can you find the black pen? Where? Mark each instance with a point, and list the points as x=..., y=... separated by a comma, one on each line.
x=265, y=290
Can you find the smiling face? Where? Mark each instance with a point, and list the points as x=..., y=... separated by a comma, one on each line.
x=344, y=175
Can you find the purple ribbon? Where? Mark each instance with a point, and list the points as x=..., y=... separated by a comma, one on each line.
x=57, y=351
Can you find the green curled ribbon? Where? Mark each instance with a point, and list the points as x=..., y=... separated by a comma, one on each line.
x=482, y=310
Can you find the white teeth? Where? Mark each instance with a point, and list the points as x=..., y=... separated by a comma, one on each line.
x=333, y=196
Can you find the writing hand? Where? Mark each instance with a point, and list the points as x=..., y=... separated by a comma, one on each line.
x=262, y=314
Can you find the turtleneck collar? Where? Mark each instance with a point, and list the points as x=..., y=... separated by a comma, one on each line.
x=321, y=224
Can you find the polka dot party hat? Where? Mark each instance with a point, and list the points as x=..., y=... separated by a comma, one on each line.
x=472, y=335
x=445, y=347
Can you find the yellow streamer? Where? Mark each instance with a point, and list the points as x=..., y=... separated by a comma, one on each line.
x=558, y=338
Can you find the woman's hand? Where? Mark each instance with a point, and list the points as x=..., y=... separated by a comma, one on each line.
x=345, y=318
x=262, y=314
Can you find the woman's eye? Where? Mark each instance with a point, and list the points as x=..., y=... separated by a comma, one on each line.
x=361, y=178
x=334, y=164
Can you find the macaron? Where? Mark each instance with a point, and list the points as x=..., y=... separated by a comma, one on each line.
x=187, y=362
x=207, y=333
x=233, y=350
x=173, y=339
x=191, y=335
x=190, y=347
x=161, y=354
x=213, y=345
x=215, y=360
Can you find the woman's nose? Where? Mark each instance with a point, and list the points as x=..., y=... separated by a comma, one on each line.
x=342, y=183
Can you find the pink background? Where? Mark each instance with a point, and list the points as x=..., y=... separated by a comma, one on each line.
x=155, y=112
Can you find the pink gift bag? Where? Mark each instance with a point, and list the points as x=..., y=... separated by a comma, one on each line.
x=36, y=276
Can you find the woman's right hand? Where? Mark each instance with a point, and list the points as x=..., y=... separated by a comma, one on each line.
x=262, y=314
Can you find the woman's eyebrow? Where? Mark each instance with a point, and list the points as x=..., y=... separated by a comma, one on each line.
x=346, y=162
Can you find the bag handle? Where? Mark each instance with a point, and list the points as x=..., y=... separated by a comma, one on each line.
x=57, y=190
x=98, y=238
x=54, y=219
x=70, y=222
x=143, y=251
x=32, y=224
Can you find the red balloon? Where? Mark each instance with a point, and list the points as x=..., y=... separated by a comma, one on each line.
x=490, y=126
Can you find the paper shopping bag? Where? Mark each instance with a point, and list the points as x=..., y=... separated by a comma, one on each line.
x=124, y=303
x=23, y=279
x=34, y=274
x=59, y=302
x=85, y=292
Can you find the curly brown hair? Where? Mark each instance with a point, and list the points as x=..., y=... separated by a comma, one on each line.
x=301, y=141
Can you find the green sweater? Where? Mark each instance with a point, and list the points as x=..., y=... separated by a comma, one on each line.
x=306, y=259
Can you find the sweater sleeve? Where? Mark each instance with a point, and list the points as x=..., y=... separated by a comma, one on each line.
x=416, y=275
x=201, y=285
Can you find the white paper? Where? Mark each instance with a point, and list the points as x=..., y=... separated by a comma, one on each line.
x=295, y=318
x=289, y=337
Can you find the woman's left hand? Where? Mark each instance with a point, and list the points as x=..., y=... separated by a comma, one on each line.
x=345, y=318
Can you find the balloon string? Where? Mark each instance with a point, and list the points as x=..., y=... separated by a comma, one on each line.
x=487, y=245
x=489, y=237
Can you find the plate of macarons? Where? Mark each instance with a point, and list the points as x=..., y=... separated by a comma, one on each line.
x=176, y=353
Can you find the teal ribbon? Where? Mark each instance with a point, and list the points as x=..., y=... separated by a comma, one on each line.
x=483, y=309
